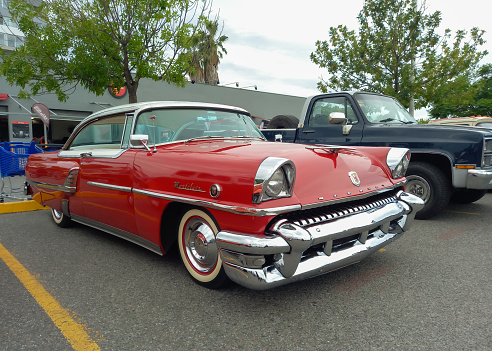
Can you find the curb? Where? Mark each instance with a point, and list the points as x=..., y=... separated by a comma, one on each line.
x=21, y=206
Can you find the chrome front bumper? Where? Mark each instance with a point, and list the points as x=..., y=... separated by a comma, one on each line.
x=479, y=179
x=297, y=249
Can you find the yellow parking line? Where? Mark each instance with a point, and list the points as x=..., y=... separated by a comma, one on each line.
x=470, y=213
x=74, y=332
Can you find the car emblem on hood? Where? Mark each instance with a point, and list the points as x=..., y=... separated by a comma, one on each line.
x=354, y=177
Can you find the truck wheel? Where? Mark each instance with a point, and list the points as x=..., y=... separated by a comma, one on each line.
x=283, y=121
x=198, y=250
x=430, y=184
x=60, y=219
x=467, y=196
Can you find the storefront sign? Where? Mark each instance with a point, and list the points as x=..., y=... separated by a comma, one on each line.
x=117, y=94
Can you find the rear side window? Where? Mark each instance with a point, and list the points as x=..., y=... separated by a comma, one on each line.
x=104, y=132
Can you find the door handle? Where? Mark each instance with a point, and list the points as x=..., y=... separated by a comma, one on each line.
x=86, y=154
x=308, y=131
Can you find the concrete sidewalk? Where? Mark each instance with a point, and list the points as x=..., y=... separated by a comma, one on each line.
x=13, y=196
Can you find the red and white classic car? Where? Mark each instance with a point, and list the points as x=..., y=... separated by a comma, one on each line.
x=201, y=175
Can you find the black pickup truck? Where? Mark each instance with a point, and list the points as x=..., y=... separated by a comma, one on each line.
x=447, y=163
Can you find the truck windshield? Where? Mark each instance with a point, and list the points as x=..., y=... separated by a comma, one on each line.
x=383, y=109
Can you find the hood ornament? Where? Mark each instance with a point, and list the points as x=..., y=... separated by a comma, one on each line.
x=354, y=177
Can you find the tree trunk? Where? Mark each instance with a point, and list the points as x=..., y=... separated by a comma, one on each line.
x=199, y=75
x=132, y=92
x=211, y=66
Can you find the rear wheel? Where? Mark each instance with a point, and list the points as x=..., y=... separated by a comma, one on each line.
x=467, y=196
x=60, y=219
x=430, y=184
x=198, y=249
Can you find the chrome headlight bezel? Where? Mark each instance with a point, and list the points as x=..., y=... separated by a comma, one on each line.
x=274, y=179
x=398, y=160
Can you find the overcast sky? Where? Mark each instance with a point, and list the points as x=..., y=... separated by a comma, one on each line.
x=270, y=40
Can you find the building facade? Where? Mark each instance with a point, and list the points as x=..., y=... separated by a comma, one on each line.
x=19, y=123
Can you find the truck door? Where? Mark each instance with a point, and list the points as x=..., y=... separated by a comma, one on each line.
x=320, y=126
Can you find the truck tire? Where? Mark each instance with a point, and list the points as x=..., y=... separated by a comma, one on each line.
x=467, y=196
x=430, y=184
x=283, y=122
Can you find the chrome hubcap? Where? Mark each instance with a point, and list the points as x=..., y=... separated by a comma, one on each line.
x=200, y=245
x=418, y=186
x=57, y=214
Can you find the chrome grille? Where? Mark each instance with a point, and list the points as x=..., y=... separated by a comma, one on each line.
x=305, y=218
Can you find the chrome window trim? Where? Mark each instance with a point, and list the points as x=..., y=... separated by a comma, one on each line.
x=77, y=153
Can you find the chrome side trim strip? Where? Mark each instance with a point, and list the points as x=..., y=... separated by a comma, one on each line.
x=119, y=233
x=110, y=187
x=63, y=188
x=259, y=212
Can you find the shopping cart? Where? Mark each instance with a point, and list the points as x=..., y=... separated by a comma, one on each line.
x=13, y=160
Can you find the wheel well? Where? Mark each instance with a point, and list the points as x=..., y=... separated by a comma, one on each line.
x=440, y=161
x=169, y=224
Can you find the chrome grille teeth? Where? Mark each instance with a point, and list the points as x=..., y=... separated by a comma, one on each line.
x=319, y=215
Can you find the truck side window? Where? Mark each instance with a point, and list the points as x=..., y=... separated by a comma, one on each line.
x=322, y=108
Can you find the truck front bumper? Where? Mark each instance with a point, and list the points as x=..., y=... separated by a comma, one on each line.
x=479, y=179
x=321, y=242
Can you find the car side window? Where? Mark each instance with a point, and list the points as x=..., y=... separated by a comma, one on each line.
x=320, y=113
x=103, y=133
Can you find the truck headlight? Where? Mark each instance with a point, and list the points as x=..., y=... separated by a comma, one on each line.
x=274, y=179
x=398, y=160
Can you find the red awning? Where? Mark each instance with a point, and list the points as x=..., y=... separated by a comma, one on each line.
x=4, y=96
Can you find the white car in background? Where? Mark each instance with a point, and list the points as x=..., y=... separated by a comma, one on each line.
x=479, y=121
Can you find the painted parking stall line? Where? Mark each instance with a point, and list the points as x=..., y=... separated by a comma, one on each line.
x=74, y=332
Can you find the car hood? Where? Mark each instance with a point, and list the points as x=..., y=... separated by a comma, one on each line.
x=322, y=174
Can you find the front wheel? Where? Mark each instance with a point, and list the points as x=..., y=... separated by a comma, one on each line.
x=430, y=184
x=60, y=219
x=198, y=249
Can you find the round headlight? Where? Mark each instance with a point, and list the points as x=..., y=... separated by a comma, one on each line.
x=275, y=184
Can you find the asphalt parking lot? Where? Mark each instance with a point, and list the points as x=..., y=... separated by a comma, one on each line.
x=430, y=290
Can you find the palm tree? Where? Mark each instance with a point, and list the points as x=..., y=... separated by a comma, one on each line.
x=207, y=52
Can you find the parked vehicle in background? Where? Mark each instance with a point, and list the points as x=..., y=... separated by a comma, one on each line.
x=448, y=163
x=203, y=177
x=478, y=121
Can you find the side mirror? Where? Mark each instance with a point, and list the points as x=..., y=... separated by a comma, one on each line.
x=139, y=140
x=337, y=118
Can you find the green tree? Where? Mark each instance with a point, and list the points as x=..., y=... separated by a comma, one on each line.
x=208, y=49
x=475, y=99
x=101, y=43
x=397, y=51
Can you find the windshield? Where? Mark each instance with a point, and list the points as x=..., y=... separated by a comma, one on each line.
x=165, y=125
x=383, y=109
